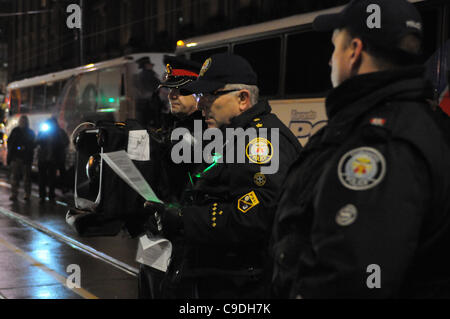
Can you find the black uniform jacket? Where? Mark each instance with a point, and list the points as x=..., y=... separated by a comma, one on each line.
x=365, y=212
x=176, y=177
x=228, y=224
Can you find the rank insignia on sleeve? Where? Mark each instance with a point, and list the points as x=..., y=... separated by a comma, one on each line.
x=247, y=202
x=259, y=151
x=362, y=168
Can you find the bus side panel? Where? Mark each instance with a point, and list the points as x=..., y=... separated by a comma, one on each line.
x=304, y=117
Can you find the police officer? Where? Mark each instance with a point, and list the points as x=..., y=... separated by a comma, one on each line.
x=173, y=178
x=225, y=229
x=183, y=107
x=365, y=212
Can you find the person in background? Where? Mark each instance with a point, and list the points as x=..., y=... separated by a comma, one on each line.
x=51, y=141
x=20, y=157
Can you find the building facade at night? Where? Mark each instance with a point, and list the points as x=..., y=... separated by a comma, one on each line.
x=41, y=42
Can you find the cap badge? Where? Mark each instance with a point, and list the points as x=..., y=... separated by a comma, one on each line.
x=259, y=150
x=168, y=69
x=362, y=168
x=205, y=67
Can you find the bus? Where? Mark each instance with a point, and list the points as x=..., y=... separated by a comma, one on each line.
x=107, y=90
x=285, y=53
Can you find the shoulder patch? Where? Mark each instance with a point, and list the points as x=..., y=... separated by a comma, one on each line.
x=361, y=168
x=259, y=150
x=247, y=202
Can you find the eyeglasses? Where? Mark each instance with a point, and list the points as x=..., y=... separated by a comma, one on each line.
x=210, y=97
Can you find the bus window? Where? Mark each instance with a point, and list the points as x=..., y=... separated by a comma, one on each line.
x=15, y=101
x=52, y=93
x=87, y=93
x=307, y=69
x=201, y=56
x=109, y=90
x=38, y=98
x=25, y=101
x=264, y=57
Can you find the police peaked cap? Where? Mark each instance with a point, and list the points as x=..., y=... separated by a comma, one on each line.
x=179, y=71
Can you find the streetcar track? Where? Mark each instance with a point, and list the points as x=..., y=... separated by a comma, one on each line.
x=71, y=242
x=66, y=239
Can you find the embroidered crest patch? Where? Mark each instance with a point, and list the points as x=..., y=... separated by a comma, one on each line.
x=361, y=168
x=259, y=150
x=247, y=202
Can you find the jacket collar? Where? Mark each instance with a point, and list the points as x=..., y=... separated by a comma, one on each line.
x=244, y=119
x=360, y=93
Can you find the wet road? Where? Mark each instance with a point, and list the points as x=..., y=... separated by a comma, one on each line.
x=41, y=257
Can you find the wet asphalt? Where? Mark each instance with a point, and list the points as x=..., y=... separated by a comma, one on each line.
x=41, y=257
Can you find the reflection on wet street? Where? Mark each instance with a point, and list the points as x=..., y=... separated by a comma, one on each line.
x=41, y=257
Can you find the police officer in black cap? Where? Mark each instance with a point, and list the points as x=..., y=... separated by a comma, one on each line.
x=226, y=227
x=366, y=212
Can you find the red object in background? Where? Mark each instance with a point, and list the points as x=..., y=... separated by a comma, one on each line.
x=445, y=102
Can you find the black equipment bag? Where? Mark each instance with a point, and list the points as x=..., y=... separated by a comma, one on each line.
x=104, y=203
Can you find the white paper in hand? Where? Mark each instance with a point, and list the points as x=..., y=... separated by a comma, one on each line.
x=154, y=252
x=139, y=145
x=122, y=165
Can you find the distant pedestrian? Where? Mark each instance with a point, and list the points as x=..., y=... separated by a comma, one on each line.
x=20, y=157
x=52, y=141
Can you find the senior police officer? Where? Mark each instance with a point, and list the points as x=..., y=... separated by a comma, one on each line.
x=183, y=106
x=173, y=179
x=226, y=228
x=365, y=212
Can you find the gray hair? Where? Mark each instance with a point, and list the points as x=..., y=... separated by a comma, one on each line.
x=253, y=89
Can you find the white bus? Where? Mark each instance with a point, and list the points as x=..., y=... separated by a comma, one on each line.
x=291, y=61
x=106, y=90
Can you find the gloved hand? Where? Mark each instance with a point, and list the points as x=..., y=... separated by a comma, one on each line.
x=165, y=219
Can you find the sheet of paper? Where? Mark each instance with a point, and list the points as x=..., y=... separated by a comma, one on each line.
x=154, y=252
x=139, y=145
x=122, y=165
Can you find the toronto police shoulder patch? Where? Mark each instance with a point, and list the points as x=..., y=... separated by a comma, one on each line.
x=361, y=168
x=259, y=150
x=247, y=202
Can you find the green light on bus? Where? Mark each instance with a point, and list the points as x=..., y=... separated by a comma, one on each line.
x=107, y=110
x=111, y=100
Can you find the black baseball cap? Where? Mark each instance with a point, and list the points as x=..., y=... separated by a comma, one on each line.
x=382, y=22
x=179, y=71
x=221, y=69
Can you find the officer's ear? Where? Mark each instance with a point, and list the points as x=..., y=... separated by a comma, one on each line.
x=244, y=100
x=356, y=54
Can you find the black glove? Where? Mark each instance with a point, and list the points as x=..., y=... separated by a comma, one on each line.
x=164, y=219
